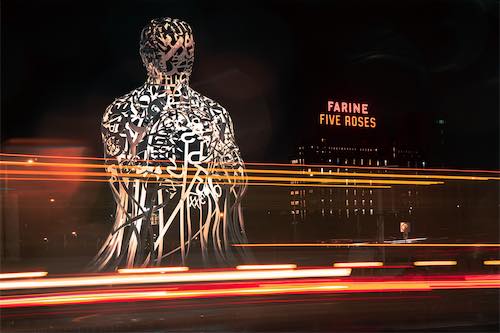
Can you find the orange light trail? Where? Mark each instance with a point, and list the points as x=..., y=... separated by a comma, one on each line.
x=261, y=171
x=271, y=164
x=258, y=267
x=120, y=279
x=152, y=270
x=240, y=178
x=358, y=264
x=254, y=289
x=22, y=275
x=103, y=180
x=491, y=262
x=435, y=263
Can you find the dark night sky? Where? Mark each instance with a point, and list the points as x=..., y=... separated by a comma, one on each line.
x=272, y=64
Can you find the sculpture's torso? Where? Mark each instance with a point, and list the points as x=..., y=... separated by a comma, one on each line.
x=142, y=127
x=174, y=156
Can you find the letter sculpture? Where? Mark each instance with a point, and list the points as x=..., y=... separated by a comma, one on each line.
x=176, y=173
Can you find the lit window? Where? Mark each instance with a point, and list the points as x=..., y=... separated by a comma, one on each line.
x=371, y=211
x=347, y=202
x=363, y=211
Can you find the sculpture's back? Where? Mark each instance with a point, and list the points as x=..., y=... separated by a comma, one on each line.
x=176, y=172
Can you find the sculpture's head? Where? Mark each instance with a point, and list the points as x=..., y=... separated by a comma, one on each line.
x=167, y=49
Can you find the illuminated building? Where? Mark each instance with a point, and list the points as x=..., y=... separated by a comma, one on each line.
x=351, y=211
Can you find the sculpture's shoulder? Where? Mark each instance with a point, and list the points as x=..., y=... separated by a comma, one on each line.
x=119, y=107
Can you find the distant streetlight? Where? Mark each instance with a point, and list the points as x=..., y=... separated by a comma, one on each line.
x=45, y=239
x=52, y=200
x=74, y=234
x=30, y=161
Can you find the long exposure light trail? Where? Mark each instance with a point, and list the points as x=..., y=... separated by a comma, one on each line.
x=241, y=178
x=152, y=270
x=497, y=172
x=258, y=267
x=491, y=262
x=119, y=279
x=367, y=245
x=358, y=264
x=435, y=263
x=21, y=275
x=31, y=163
x=281, y=287
x=105, y=180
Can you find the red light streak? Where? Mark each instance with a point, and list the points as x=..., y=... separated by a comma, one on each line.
x=280, y=287
x=367, y=245
x=120, y=279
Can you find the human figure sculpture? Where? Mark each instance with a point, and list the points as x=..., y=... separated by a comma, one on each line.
x=177, y=175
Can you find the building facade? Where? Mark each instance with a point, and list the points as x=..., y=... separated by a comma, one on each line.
x=350, y=211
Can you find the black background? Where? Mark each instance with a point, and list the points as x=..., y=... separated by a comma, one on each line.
x=272, y=64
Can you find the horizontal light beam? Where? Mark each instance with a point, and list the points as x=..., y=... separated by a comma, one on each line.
x=367, y=245
x=258, y=267
x=261, y=289
x=358, y=264
x=16, y=155
x=242, y=178
x=152, y=270
x=491, y=262
x=250, y=171
x=22, y=275
x=174, y=278
x=435, y=263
